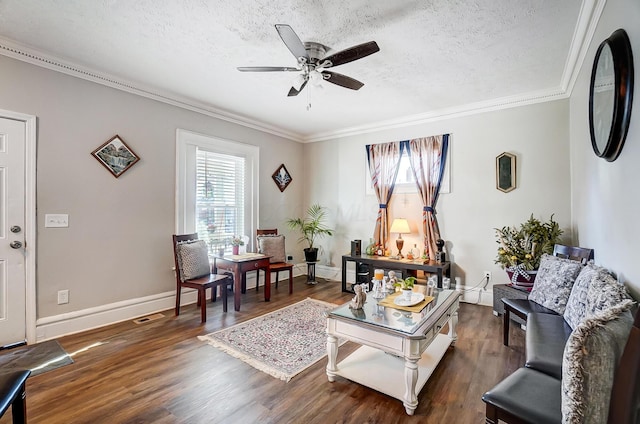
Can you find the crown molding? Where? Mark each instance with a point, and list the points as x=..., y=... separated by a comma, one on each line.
x=446, y=113
x=17, y=51
x=585, y=29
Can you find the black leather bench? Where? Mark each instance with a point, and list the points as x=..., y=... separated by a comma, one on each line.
x=531, y=396
x=546, y=338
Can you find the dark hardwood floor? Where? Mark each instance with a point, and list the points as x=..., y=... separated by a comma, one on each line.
x=159, y=372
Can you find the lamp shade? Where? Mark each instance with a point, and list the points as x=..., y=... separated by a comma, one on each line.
x=400, y=226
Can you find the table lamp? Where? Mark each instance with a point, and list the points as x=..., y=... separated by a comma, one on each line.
x=400, y=226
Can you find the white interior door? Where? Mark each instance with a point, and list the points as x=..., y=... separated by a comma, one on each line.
x=13, y=326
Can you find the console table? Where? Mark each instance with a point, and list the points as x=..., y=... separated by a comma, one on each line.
x=403, y=265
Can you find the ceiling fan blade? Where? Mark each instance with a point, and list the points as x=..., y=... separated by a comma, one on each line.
x=292, y=41
x=266, y=69
x=342, y=80
x=294, y=92
x=352, y=53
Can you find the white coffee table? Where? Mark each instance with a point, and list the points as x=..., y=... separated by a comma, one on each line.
x=400, y=350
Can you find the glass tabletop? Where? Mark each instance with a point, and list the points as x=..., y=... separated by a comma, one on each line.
x=388, y=317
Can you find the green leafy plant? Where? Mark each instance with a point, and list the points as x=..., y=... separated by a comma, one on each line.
x=237, y=241
x=312, y=226
x=525, y=245
x=406, y=284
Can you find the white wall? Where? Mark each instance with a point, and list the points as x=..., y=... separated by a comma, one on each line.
x=537, y=134
x=118, y=244
x=605, y=195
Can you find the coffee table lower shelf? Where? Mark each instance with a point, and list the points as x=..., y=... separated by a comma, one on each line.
x=385, y=373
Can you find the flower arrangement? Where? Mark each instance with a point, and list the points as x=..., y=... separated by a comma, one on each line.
x=523, y=247
x=237, y=241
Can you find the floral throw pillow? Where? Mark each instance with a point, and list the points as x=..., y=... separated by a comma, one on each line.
x=577, y=304
x=554, y=282
x=272, y=246
x=193, y=260
x=604, y=293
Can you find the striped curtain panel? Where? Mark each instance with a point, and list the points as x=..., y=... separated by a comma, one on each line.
x=428, y=156
x=384, y=160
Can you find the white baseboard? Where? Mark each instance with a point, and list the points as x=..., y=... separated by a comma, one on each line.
x=86, y=319
x=55, y=326
x=478, y=296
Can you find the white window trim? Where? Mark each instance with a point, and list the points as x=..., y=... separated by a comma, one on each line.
x=186, y=144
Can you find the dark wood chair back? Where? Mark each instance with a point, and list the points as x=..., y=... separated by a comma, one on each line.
x=581, y=254
x=211, y=281
x=276, y=266
x=271, y=232
x=177, y=239
x=624, y=407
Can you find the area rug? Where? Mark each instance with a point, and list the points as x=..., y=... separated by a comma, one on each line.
x=38, y=358
x=282, y=343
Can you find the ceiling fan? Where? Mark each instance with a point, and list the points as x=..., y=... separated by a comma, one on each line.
x=312, y=62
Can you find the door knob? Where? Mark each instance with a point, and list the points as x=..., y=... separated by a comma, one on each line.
x=15, y=244
x=16, y=229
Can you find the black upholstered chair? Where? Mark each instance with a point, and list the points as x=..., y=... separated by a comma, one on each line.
x=531, y=397
x=13, y=393
x=523, y=307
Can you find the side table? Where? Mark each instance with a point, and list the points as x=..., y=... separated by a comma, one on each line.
x=503, y=290
x=311, y=273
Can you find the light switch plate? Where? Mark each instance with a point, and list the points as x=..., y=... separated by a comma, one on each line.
x=57, y=220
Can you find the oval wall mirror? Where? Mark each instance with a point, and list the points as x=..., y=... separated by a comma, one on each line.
x=611, y=95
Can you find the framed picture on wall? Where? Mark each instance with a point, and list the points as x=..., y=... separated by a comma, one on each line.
x=506, y=172
x=282, y=178
x=116, y=156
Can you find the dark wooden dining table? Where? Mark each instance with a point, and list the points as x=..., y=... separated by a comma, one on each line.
x=238, y=265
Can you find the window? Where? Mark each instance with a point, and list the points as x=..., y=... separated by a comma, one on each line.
x=405, y=182
x=217, y=189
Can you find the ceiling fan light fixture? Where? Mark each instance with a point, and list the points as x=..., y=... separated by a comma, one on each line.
x=315, y=78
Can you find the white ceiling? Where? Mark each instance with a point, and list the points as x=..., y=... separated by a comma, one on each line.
x=436, y=57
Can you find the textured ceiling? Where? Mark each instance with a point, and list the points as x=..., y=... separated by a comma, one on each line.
x=435, y=55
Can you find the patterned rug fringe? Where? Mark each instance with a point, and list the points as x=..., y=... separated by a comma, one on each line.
x=256, y=363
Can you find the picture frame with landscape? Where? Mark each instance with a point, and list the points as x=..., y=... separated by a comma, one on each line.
x=116, y=156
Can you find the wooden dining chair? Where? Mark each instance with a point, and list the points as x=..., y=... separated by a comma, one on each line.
x=193, y=270
x=271, y=244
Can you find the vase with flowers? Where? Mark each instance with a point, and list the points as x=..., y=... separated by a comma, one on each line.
x=521, y=248
x=236, y=242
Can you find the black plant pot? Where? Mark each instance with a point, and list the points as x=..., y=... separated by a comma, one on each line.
x=311, y=254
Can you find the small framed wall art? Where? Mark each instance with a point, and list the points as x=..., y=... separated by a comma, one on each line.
x=506, y=172
x=282, y=177
x=116, y=156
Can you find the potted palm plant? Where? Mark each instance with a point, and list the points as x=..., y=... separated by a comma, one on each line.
x=311, y=228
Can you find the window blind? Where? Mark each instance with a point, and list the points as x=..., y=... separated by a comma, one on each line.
x=220, y=181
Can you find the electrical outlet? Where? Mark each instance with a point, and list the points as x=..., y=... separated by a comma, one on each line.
x=487, y=277
x=63, y=297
